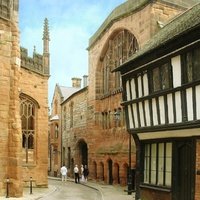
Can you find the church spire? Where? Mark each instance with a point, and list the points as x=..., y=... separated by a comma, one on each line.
x=46, y=40
x=46, y=37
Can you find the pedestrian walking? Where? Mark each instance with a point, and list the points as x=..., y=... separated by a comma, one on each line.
x=82, y=173
x=86, y=173
x=63, y=172
x=76, y=174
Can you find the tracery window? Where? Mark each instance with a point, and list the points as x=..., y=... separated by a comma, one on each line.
x=120, y=48
x=28, y=118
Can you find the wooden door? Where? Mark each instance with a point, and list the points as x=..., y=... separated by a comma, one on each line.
x=184, y=163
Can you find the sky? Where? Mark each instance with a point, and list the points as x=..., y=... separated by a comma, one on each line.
x=71, y=24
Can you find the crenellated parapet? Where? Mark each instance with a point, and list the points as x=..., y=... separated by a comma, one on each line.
x=34, y=63
x=38, y=63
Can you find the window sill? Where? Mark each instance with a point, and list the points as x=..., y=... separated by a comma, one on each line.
x=152, y=187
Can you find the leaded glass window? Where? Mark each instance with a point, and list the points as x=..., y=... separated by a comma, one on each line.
x=120, y=47
x=28, y=115
x=161, y=77
x=191, y=65
x=158, y=164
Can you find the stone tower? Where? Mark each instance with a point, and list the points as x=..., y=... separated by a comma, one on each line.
x=24, y=100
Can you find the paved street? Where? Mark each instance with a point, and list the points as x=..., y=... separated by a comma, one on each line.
x=71, y=191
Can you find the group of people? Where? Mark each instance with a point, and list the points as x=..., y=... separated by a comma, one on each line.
x=83, y=175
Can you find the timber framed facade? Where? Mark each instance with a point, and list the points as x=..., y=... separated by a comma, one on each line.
x=123, y=34
x=161, y=85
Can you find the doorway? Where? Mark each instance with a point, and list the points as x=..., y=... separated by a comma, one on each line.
x=110, y=175
x=184, y=165
x=83, y=152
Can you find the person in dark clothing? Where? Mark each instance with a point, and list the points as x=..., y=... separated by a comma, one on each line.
x=76, y=174
x=86, y=173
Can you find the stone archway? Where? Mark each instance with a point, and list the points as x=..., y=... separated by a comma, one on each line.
x=110, y=172
x=101, y=171
x=94, y=166
x=82, y=152
x=116, y=174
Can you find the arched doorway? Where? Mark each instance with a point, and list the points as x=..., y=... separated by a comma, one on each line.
x=101, y=171
x=110, y=175
x=116, y=174
x=94, y=170
x=83, y=152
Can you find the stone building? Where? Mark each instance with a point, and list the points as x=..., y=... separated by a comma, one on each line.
x=74, y=129
x=163, y=115
x=97, y=135
x=61, y=93
x=23, y=106
x=124, y=32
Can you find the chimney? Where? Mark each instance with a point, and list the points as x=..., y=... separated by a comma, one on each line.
x=76, y=82
x=85, y=80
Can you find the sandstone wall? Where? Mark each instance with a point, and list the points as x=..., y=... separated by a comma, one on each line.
x=36, y=87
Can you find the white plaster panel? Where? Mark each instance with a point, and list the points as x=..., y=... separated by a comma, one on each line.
x=128, y=90
x=135, y=115
x=139, y=86
x=176, y=70
x=146, y=85
x=189, y=104
x=170, y=109
x=162, y=109
x=147, y=113
x=154, y=109
x=133, y=89
x=178, y=107
x=130, y=117
x=198, y=101
x=141, y=114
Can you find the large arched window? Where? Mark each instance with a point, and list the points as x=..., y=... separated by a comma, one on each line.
x=120, y=47
x=28, y=124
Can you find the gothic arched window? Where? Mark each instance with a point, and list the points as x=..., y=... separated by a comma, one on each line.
x=28, y=120
x=120, y=47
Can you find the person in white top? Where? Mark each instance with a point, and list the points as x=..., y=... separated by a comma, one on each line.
x=63, y=172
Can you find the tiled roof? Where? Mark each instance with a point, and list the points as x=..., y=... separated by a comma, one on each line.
x=67, y=91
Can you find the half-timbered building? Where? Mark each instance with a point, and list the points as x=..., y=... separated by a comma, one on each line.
x=161, y=92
